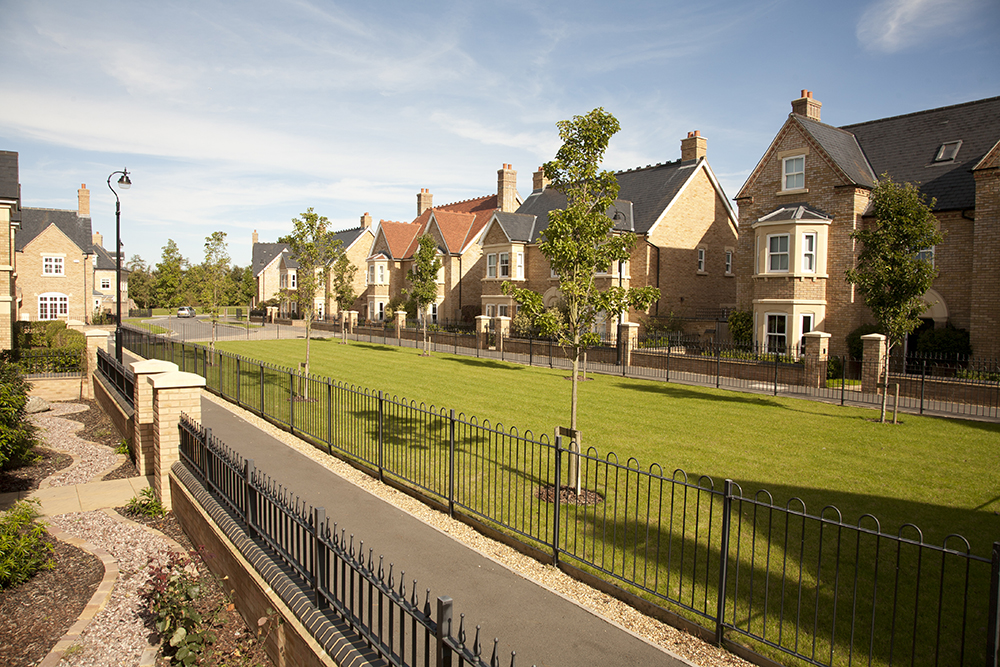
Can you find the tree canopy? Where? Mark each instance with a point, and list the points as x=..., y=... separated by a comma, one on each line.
x=423, y=279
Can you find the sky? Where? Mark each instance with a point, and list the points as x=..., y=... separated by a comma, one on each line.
x=237, y=117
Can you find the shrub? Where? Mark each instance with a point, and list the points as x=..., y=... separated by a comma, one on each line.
x=947, y=342
x=145, y=504
x=17, y=434
x=834, y=368
x=741, y=327
x=856, y=346
x=173, y=589
x=23, y=548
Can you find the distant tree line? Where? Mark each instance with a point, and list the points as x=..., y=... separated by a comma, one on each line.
x=176, y=281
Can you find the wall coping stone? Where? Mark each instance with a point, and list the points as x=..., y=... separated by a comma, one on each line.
x=175, y=380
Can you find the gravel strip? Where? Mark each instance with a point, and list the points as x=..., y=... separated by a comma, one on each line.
x=118, y=635
x=58, y=430
x=676, y=641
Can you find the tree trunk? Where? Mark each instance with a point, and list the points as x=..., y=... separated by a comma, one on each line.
x=885, y=383
x=427, y=352
x=305, y=391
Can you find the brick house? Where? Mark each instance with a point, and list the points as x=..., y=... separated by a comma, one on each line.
x=811, y=190
x=276, y=269
x=105, y=270
x=54, y=263
x=686, y=240
x=10, y=220
x=456, y=229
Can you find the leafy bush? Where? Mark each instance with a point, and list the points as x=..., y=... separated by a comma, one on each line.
x=741, y=327
x=856, y=346
x=834, y=368
x=947, y=342
x=23, y=549
x=17, y=434
x=173, y=589
x=145, y=504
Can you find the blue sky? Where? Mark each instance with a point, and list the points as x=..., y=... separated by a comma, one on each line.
x=239, y=116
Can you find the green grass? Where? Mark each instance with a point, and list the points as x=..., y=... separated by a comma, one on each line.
x=138, y=323
x=934, y=473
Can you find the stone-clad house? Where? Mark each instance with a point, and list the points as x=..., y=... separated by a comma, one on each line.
x=686, y=240
x=456, y=229
x=10, y=220
x=276, y=269
x=105, y=270
x=811, y=190
x=54, y=262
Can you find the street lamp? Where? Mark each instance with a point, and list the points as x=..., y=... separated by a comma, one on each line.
x=124, y=184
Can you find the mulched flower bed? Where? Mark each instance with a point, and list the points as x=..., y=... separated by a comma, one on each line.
x=29, y=477
x=567, y=495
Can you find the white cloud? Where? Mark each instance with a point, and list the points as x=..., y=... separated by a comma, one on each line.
x=895, y=25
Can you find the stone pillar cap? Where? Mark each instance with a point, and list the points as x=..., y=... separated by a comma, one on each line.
x=818, y=334
x=873, y=336
x=152, y=366
x=93, y=333
x=175, y=380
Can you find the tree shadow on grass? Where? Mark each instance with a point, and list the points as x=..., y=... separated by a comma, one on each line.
x=484, y=363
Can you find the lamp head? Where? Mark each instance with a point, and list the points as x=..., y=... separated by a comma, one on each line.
x=124, y=183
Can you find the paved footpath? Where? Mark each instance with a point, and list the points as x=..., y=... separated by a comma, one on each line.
x=544, y=628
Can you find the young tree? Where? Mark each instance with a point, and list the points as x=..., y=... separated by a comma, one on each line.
x=215, y=275
x=314, y=248
x=579, y=242
x=343, y=285
x=890, y=272
x=169, y=273
x=423, y=280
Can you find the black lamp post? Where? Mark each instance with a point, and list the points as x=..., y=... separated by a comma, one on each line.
x=124, y=184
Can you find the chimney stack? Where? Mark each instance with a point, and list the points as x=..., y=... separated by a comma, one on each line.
x=807, y=106
x=507, y=189
x=538, y=180
x=254, y=237
x=425, y=200
x=97, y=239
x=366, y=220
x=83, y=199
x=694, y=147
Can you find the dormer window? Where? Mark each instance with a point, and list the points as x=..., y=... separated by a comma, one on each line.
x=948, y=151
x=794, y=170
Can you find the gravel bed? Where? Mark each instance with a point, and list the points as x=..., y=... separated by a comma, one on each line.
x=59, y=431
x=118, y=635
x=676, y=641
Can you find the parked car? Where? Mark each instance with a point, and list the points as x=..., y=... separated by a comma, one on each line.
x=185, y=311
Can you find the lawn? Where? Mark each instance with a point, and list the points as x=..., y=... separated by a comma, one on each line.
x=934, y=473
x=939, y=474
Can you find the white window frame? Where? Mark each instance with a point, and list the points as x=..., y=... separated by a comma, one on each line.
x=491, y=265
x=105, y=283
x=793, y=176
x=503, y=310
x=380, y=274
x=772, y=255
x=729, y=262
x=283, y=281
x=490, y=310
x=439, y=278
x=701, y=260
x=53, y=305
x=803, y=319
x=434, y=312
x=504, y=265
x=381, y=311
x=772, y=337
x=53, y=266
x=927, y=254
x=519, y=258
x=293, y=280
x=809, y=252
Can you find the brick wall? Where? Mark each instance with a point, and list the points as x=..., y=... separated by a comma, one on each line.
x=7, y=305
x=984, y=305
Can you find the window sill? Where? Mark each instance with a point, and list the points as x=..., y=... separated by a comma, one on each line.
x=701, y=273
x=798, y=191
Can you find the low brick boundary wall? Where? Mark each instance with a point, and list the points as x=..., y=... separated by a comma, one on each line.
x=121, y=415
x=58, y=389
x=307, y=637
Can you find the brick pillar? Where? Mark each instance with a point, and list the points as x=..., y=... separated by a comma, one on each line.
x=630, y=333
x=400, y=322
x=502, y=329
x=173, y=394
x=815, y=357
x=482, y=331
x=142, y=421
x=352, y=320
x=872, y=362
x=96, y=339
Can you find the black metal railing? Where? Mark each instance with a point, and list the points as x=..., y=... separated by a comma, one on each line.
x=743, y=566
x=338, y=574
x=48, y=363
x=120, y=377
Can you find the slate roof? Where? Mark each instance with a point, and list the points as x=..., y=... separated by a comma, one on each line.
x=519, y=227
x=349, y=236
x=104, y=260
x=9, y=186
x=264, y=254
x=34, y=221
x=905, y=147
x=645, y=192
x=795, y=212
